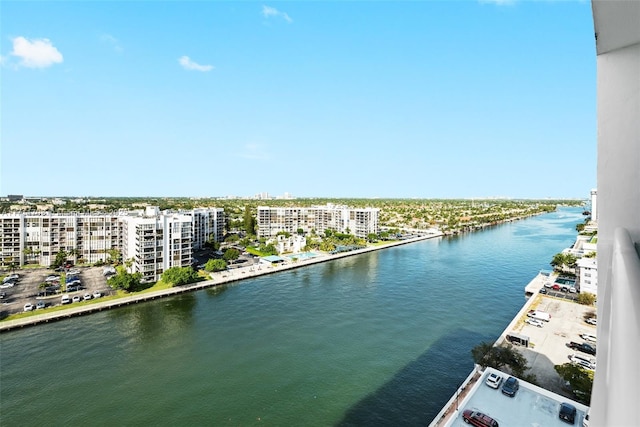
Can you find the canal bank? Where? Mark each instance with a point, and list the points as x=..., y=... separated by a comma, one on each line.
x=217, y=279
x=383, y=338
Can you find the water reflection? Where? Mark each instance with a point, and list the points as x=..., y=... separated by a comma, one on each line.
x=150, y=321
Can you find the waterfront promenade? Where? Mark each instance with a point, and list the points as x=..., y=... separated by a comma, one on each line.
x=219, y=278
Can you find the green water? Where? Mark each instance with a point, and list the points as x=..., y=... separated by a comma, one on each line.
x=377, y=339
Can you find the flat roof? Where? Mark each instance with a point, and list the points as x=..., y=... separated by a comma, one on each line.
x=531, y=406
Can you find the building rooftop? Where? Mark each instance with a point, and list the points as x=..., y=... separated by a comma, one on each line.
x=531, y=406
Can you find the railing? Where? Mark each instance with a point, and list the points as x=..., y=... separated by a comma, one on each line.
x=620, y=327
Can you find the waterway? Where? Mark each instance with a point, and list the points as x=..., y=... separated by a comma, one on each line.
x=382, y=338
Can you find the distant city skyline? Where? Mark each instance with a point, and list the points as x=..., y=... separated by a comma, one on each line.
x=470, y=99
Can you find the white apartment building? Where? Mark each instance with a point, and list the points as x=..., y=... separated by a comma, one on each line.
x=357, y=221
x=588, y=275
x=594, y=205
x=37, y=237
x=156, y=242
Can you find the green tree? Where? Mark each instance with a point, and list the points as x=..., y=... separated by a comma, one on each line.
x=372, y=237
x=114, y=256
x=249, y=221
x=498, y=357
x=580, y=380
x=231, y=255
x=177, y=276
x=300, y=231
x=215, y=265
x=268, y=249
x=586, y=298
x=125, y=281
x=28, y=252
x=232, y=238
x=60, y=258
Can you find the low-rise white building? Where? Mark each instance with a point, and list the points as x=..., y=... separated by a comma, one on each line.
x=587, y=275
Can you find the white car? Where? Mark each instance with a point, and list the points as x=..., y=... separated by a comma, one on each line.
x=28, y=307
x=7, y=285
x=588, y=337
x=65, y=299
x=76, y=298
x=535, y=322
x=493, y=380
x=97, y=294
x=86, y=296
x=10, y=277
x=592, y=321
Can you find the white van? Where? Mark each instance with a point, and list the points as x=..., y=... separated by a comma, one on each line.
x=540, y=315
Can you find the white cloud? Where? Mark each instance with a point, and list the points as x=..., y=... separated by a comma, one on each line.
x=36, y=53
x=188, y=64
x=254, y=152
x=268, y=12
x=112, y=41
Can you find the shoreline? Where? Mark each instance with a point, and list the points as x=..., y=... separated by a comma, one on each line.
x=217, y=279
x=448, y=408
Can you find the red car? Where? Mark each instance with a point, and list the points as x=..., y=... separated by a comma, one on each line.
x=555, y=287
x=478, y=419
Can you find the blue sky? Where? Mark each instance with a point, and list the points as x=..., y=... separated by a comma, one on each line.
x=427, y=99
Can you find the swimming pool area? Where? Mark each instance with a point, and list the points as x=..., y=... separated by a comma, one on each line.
x=303, y=255
x=563, y=281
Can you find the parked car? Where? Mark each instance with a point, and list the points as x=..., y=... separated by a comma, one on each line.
x=6, y=285
x=547, y=284
x=510, y=387
x=567, y=413
x=493, y=380
x=478, y=419
x=540, y=315
x=97, y=294
x=41, y=305
x=572, y=289
x=588, y=337
x=76, y=298
x=3, y=295
x=73, y=272
x=583, y=361
x=52, y=278
x=28, y=307
x=86, y=296
x=556, y=287
x=535, y=322
x=65, y=299
x=584, y=347
x=592, y=321
x=11, y=278
x=543, y=290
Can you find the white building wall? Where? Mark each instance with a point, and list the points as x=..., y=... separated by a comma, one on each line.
x=615, y=391
x=588, y=275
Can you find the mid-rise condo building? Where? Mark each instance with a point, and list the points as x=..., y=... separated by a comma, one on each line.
x=357, y=221
x=153, y=240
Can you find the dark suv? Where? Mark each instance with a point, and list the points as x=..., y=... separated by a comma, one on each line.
x=567, y=413
x=510, y=387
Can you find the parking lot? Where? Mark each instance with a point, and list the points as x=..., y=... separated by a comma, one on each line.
x=548, y=344
x=28, y=290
